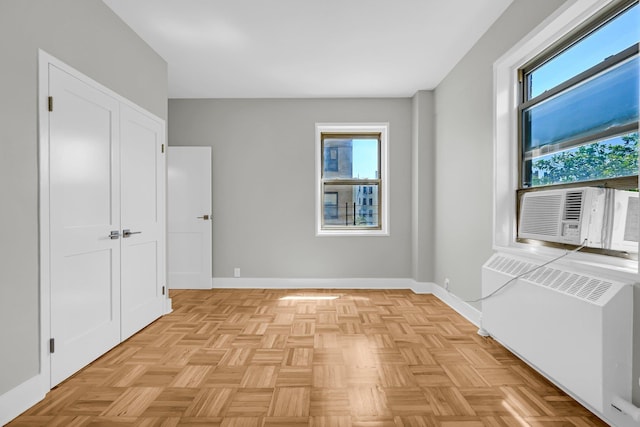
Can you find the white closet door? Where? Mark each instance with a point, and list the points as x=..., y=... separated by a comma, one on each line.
x=143, y=219
x=84, y=209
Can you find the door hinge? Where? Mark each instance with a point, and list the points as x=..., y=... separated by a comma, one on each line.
x=52, y=345
x=520, y=75
x=162, y=148
x=163, y=290
x=50, y=103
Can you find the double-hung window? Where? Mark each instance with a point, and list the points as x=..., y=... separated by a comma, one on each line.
x=579, y=107
x=351, y=179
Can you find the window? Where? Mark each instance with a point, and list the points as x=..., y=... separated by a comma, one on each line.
x=331, y=159
x=331, y=206
x=579, y=106
x=563, y=116
x=359, y=164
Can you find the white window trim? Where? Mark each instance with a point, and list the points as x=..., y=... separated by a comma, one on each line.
x=383, y=128
x=505, y=118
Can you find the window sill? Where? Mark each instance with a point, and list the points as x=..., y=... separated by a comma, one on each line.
x=352, y=233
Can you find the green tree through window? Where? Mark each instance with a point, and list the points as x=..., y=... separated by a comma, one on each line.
x=588, y=162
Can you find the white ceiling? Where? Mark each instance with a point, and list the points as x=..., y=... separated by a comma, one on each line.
x=305, y=48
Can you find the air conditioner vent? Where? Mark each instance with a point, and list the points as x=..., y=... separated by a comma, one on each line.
x=572, y=206
x=577, y=285
x=540, y=215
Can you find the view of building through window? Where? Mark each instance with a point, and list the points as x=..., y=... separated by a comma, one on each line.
x=351, y=177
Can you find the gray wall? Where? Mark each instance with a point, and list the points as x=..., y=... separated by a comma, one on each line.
x=464, y=163
x=88, y=36
x=264, y=186
x=464, y=149
x=423, y=188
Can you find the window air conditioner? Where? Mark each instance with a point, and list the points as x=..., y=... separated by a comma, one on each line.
x=625, y=228
x=563, y=216
x=599, y=217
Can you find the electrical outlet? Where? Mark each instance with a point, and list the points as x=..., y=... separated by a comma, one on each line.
x=236, y=272
x=446, y=284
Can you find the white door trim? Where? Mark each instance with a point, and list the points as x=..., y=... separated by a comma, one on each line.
x=44, y=60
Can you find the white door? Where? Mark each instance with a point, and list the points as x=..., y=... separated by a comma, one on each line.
x=84, y=194
x=142, y=219
x=189, y=217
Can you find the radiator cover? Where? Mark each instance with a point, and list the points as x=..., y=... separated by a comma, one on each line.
x=574, y=328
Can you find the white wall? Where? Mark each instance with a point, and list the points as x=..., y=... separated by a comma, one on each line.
x=263, y=180
x=88, y=36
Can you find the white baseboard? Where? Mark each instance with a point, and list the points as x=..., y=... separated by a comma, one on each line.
x=423, y=287
x=19, y=399
x=275, y=283
x=463, y=308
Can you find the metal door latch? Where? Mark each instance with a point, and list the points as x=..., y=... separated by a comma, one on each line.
x=127, y=233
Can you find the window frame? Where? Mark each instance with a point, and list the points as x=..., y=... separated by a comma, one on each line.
x=324, y=130
x=566, y=22
x=629, y=182
x=591, y=25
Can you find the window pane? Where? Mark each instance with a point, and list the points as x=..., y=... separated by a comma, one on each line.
x=350, y=158
x=342, y=207
x=608, y=40
x=607, y=100
x=614, y=157
x=330, y=205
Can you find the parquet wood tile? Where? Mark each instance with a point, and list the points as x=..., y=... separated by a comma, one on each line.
x=257, y=358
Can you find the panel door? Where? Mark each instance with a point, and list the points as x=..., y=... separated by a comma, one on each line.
x=84, y=187
x=189, y=217
x=143, y=219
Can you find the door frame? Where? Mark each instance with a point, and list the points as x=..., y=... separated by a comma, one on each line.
x=45, y=60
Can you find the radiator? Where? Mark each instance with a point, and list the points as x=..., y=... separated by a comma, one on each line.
x=575, y=329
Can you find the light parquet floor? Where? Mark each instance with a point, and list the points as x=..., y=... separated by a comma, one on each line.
x=268, y=358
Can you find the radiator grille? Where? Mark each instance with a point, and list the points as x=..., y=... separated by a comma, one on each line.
x=577, y=285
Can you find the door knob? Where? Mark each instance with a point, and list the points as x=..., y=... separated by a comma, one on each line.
x=127, y=233
x=115, y=234
x=205, y=217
